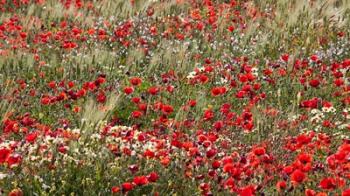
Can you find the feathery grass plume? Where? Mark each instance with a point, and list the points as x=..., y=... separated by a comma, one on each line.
x=5, y=106
x=134, y=55
x=172, y=53
x=94, y=113
x=170, y=7
x=122, y=8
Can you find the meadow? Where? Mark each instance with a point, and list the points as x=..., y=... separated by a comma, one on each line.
x=175, y=97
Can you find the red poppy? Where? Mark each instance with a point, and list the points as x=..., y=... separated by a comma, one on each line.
x=328, y=183
x=346, y=192
x=304, y=158
x=140, y=180
x=314, y=83
x=153, y=90
x=310, y=192
x=52, y=84
x=314, y=58
x=211, y=153
x=153, y=177
x=247, y=191
x=281, y=185
x=115, y=189
x=136, y=114
x=127, y=186
x=208, y=115
x=216, y=164
x=136, y=99
x=167, y=109
x=101, y=97
x=259, y=151
x=135, y=81
x=215, y=91
x=228, y=167
x=285, y=57
x=192, y=103
x=128, y=90
x=298, y=176
x=16, y=192
x=31, y=137
x=4, y=154
x=14, y=160
x=45, y=100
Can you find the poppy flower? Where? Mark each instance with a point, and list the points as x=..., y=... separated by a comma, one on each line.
x=14, y=160
x=281, y=185
x=167, y=109
x=142, y=106
x=135, y=81
x=328, y=183
x=192, y=103
x=153, y=90
x=31, y=137
x=259, y=151
x=4, y=154
x=285, y=57
x=45, y=100
x=304, y=158
x=247, y=191
x=127, y=186
x=128, y=90
x=216, y=164
x=115, y=189
x=228, y=167
x=52, y=84
x=140, y=180
x=338, y=82
x=215, y=91
x=203, y=78
x=16, y=192
x=71, y=84
x=153, y=177
x=101, y=97
x=346, y=192
x=298, y=176
x=208, y=115
x=314, y=58
x=314, y=83
x=230, y=183
x=310, y=192
x=136, y=114
x=100, y=80
x=211, y=153
x=231, y=28
x=136, y=100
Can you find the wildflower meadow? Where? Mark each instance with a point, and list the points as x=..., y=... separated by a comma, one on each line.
x=175, y=97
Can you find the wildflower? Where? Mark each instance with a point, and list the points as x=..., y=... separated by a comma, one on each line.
x=16, y=192
x=281, y=185
x=136, y=114
x=153, y=90
x=4, y=154
x=259, y=151
x=135, y=81
x=314, y=83
x=115, y=189
x=167, y=109
x=328, y=183
x=298, y=176
x=127, y=186
x=153, y=177
x=45, y=100
x=128, y=90
x=140, y=180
